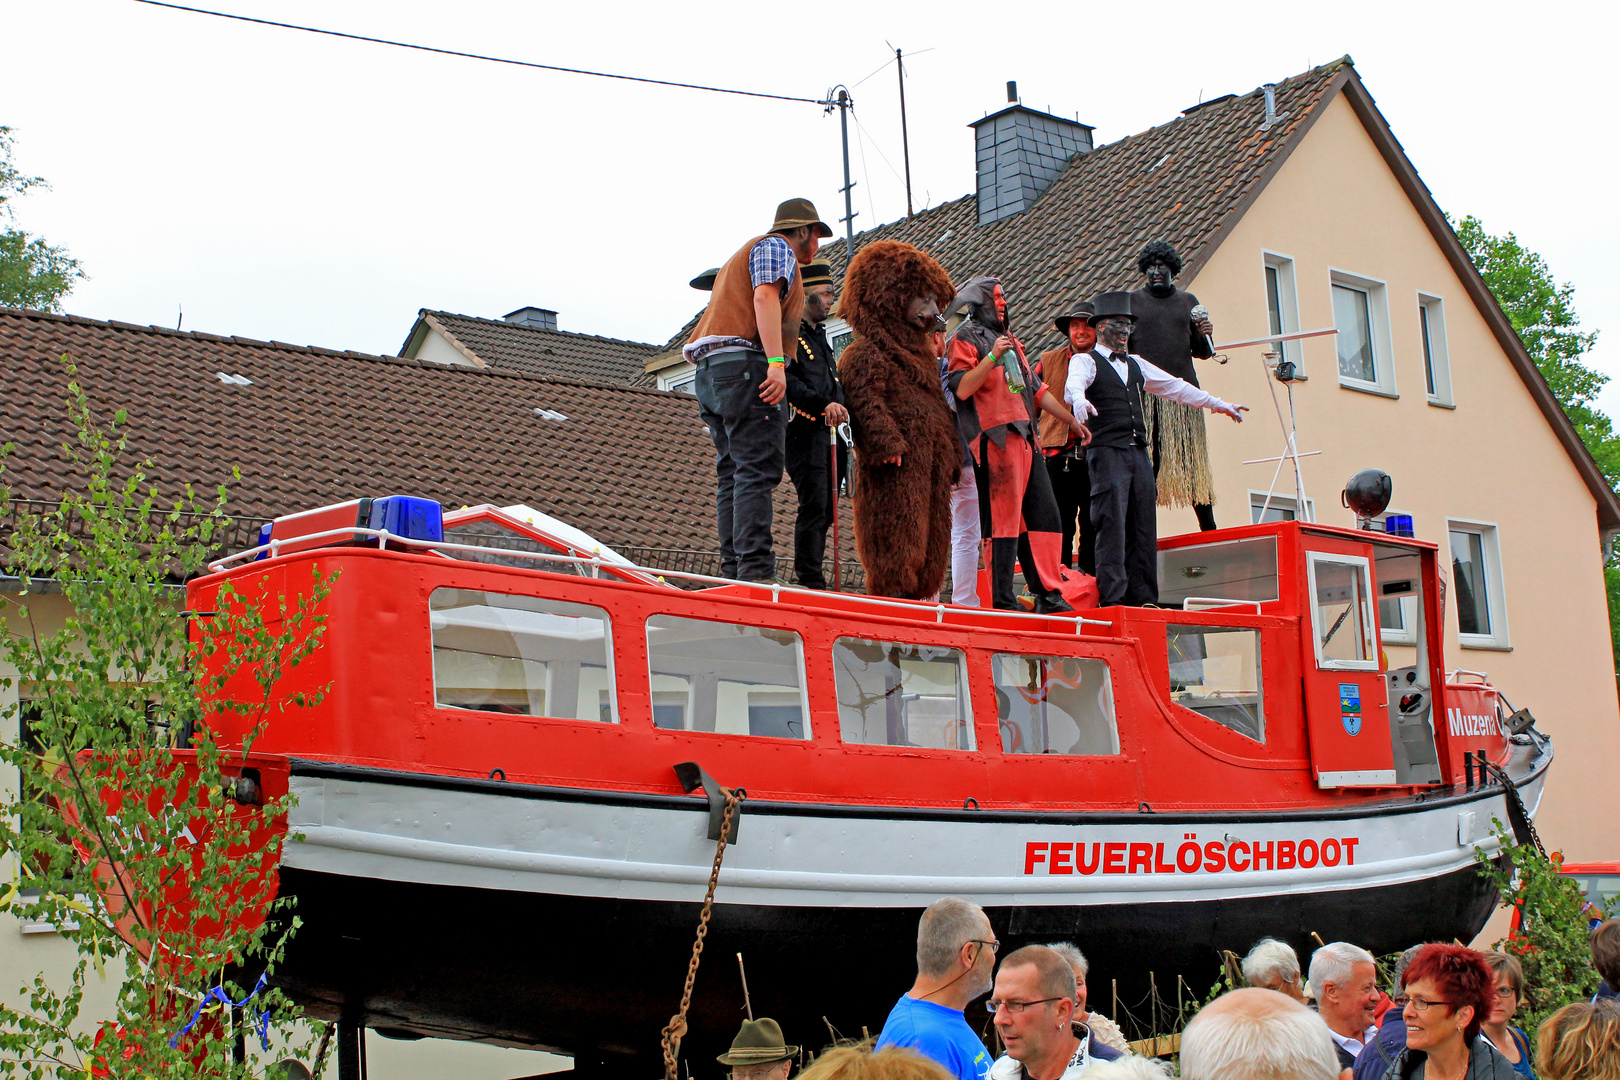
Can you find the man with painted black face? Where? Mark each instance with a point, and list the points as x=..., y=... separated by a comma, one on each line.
x=1111, y=382
x=1169, y=335
x=817, y=403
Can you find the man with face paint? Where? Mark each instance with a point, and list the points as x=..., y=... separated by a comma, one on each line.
x=1017, y=509
x=1111, y=382
x=1169, y=337
x=1065, y=456
x=817, y=403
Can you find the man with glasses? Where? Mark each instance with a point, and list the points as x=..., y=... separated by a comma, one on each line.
x=759, y=1052
x=956, y=953
x=1033, y=1009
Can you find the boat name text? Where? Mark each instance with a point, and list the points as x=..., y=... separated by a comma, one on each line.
x=1462, y=723
x=1210, y=857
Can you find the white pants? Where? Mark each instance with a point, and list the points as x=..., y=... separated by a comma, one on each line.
x=965, y=540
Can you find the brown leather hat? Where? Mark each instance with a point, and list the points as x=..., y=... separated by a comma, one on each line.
x=796, y=212
x=1084, y=310
x=758, y=1042
x=817, y=273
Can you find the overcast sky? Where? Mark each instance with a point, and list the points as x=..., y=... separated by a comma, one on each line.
x=282, y=185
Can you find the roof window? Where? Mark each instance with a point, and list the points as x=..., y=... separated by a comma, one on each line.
x=234, y=380
x=549, y=414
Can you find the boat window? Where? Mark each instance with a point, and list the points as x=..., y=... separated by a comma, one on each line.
x=1341, y=612
x=1055, y=705
x=1243, y=571
x=902, y=695
x=1215, y=672
x=496, y=652
x=715, y=676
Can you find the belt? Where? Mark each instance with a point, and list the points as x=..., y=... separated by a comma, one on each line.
x=727, y=356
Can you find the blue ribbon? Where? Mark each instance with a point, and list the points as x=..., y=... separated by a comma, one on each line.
x=262, y=1024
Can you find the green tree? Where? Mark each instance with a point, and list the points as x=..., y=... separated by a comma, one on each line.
x=132, y=828
x=33, y=274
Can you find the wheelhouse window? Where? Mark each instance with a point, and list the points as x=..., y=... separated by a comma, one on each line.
x=1208, y=575
x=738, y=680
x=1341, y=612
x=499, y=652
x=891, y=694
x=1055, y=705
x=1215, y=672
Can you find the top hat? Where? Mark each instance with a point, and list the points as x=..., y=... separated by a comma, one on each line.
x=1110, y=303
x=817, y=273
x=796, y=212
x=705, y=280
x=1083, y=310
x=758, y=1042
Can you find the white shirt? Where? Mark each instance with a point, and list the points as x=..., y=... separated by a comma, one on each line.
x=1155, y=380
x=1355, y=1046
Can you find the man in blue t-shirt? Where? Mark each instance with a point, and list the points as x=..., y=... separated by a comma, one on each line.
x=956, y=956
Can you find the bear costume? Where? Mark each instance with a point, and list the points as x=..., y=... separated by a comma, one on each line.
x=897, y=408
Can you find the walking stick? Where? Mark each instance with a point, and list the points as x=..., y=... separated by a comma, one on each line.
x=832, y=444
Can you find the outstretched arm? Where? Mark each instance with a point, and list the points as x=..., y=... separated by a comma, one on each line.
x=1052, y=406
x=1161, y=383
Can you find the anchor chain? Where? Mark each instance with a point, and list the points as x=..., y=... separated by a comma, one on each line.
x=1517, y=803
x=675, y=1030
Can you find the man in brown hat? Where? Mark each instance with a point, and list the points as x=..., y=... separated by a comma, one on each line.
x=817, y=404
x=759, y=1052
x=740, y=349
x=1065, y=457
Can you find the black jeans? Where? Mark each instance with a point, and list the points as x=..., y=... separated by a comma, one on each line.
x=809, y=463
x=749, y=438
x=1071, y=484
x=1124, y=517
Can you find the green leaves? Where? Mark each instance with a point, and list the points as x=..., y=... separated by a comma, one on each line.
x=33, y=274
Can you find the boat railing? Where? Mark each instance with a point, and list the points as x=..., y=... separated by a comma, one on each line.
x=914, y=608
x=1209, y=603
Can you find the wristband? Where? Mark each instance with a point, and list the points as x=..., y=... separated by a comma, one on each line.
x=775, y=360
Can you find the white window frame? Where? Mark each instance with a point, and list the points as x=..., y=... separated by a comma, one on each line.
x=1257, y=499
x=836, y=327
x=1437, y=358
x=1409, y=604
x=1287, y=304
x=682, y=378
x=1369, y=612
x=1495, y=595
x=1377, y=292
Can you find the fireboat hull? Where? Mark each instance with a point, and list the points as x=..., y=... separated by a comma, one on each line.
x=563, y=919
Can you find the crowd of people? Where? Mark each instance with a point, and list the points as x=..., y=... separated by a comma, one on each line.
x=1446, y=1014
x=1001, y=459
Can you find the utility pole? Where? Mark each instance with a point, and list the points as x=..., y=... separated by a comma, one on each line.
x=843, y=103
x=905, y=141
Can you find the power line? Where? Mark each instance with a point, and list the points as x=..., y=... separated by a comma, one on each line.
x=478, y=56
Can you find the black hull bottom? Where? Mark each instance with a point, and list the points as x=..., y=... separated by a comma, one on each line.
x=599, y=978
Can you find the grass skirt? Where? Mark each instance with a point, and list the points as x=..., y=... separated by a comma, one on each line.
x=1176, y=432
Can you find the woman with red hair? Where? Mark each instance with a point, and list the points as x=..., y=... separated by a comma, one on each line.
x=1449, y=991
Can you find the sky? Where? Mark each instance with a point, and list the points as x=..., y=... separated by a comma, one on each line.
x=281, y=185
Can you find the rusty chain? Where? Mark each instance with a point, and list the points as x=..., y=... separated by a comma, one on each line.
x=675, y=1030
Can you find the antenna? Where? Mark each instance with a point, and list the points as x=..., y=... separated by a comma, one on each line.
x=843, y=103
x=748, y=1005
x=905, y=140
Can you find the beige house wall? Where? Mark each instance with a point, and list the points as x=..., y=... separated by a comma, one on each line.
x=1335, y=205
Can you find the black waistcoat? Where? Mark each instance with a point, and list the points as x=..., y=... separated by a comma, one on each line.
x=1119, y=422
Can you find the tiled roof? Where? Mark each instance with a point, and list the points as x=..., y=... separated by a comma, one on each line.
x=1182, y=182
x=554, y=354
x=633, y=467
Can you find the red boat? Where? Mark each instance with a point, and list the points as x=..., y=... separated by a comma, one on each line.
x=491, y=840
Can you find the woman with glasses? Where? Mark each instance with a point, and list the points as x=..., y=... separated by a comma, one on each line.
x=1449, y=993
x=1511, y=1042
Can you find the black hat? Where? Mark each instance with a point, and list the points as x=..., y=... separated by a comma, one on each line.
x=1111, y=303
x=758, y=1042
x=817, y=273
x=1082, y=310
x=797, y=212
x=705, y=280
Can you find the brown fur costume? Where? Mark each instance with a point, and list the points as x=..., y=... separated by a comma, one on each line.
x=892, y=390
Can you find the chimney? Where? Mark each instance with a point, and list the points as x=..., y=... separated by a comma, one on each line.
x=1020, y=152
x=538, y=317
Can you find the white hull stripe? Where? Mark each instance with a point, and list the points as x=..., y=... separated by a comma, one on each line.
x=362, y=828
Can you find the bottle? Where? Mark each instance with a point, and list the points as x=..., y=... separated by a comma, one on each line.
x=1010, y=367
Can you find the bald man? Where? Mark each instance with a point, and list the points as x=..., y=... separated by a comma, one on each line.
x=1255, y=1034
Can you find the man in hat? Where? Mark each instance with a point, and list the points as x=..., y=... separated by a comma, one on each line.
x=1110, y=382
x=759, y=1052
x=1065, y=456
x=1172, y=328
x=740, y=349
x=817, y=404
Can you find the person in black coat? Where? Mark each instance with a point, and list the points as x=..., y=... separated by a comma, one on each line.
x=817, y=403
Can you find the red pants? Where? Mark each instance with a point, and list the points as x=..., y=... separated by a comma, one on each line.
x=1018, y=515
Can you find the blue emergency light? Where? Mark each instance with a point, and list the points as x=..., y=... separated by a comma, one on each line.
x=409, y=517
x=1398, y=525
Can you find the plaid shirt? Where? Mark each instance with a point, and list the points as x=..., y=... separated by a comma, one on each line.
x=771, y=260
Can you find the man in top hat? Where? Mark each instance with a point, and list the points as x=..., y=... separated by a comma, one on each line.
x=740, y=348
x=1110, y=382
x=817, y=404
x=759, y=1052
x=1065, y=457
